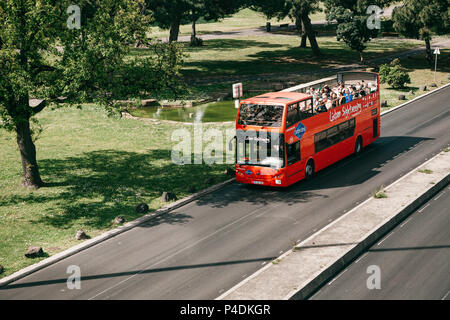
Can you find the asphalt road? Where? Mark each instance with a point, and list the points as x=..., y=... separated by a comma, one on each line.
x=413, y=260
x=204, y=248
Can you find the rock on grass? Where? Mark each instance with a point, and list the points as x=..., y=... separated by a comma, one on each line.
x=142, y=208
x=34, y=252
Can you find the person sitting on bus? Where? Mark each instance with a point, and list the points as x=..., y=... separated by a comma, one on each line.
x=372, y=87
x=328, y=103
x=354, y=93
x=334, y=99
x=362, y=92
x=341, y=100
x=321, y=106
x=348, y=96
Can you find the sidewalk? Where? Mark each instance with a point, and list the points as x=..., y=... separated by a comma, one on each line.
x=300, y=271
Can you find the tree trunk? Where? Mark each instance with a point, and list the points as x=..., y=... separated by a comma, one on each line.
x=194, y=34
x=428, y=54
x=361, y=56
x=30, y=170
x=174, y=31
x=306, y=21
x=301, y=29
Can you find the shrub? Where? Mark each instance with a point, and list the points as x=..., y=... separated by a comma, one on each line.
x=394, y=74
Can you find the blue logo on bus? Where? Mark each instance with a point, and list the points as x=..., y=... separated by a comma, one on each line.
x=248, y=172
x=300, y=130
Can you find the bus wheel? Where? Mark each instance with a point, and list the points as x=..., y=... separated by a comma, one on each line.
x=309, y=170
x=358, y=145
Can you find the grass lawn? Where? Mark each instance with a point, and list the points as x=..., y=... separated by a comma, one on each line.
x=421, y=75
x=244, y=19
x=275, y=54
x=97, y=168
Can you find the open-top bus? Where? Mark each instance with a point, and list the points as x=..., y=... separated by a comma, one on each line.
x=281, y=139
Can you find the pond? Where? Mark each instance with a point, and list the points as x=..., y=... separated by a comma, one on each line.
x=210, y=112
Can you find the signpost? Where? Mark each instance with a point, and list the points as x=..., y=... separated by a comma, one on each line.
x=237, y=94
x=436, y=52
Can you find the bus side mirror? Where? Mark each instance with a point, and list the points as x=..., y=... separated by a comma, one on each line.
x=230, y=144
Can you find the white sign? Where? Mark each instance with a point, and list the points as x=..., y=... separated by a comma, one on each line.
x=436, y=51
x=237, y=90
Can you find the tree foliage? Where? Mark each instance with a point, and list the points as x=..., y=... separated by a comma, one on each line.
x=422, y=19
x=42, y=58
x=351, y=16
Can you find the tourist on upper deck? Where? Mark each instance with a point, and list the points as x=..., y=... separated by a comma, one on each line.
x=348, y=96
x=334, y=99
x=321, y=106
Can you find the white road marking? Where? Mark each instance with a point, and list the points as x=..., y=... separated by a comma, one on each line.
x=385, y=238
x=424, y=207
x=439, y=195
x=361, y=257
x=337, y=277
x=446, y=295
x=407, y=220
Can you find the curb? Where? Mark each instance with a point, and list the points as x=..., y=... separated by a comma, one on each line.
x=333, y=268
x=374, y=235
x=109, y=234
x=416, y=98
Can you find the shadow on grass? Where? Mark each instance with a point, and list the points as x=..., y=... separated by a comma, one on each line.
x=97, y=186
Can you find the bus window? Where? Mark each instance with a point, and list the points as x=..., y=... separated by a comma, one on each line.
x=333, y=135
x=320, y=141
x=293, y=153
x=306, y=109
x=292, y=115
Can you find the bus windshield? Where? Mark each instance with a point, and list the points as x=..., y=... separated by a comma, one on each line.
x=260, y=148
x=261, y=115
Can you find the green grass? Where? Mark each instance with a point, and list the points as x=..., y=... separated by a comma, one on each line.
x=97, y=168
x=275, y=54
x=244, y=19
x=426, y=171
x=421, y=75
x=380, y=194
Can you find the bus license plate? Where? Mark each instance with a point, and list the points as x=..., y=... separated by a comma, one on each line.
x=258, y=182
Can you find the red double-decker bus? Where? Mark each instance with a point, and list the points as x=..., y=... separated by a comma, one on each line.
x=281, y=137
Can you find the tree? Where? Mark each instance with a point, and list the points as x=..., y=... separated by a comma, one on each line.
x=351, y=16
x=172, y=14
x=41, y=57
x=297, y=10
x=210, y=10
x=422, y=19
